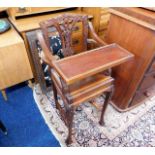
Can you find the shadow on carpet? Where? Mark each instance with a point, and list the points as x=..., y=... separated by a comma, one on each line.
x=25, y=125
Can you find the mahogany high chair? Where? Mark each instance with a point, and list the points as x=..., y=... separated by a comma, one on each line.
x=83, y=90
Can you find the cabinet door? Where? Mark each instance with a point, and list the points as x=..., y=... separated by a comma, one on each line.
x=14, y=63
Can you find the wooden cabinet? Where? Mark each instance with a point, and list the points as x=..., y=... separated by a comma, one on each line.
x=101, y=19
x=14, y=63
x=31, y=24
x=133, y=29
x=104, y=20
x=15, y=12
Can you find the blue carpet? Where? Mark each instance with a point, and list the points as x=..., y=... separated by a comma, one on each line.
x=23, y=120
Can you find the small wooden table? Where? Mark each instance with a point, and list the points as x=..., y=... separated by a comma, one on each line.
x=89, y=63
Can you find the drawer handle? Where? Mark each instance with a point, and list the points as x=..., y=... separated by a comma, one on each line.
x=75, y=42
x=22, y=9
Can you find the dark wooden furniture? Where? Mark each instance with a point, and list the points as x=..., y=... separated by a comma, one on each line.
x=101, y=18
x=3, y=128
x=81, y=77
x=32, y=42
x=89, y=63
x=134, y=30
x=28, y=21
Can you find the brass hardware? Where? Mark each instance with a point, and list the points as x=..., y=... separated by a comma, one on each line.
x=21, y=10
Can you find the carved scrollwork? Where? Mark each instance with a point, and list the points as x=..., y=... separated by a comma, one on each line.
x=65, y=25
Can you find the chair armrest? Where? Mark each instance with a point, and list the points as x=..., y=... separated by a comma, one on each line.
x=95, y=36
x=46, y=56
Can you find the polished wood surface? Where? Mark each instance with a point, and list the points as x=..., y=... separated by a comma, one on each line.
x=14, y=63
x=133, y=18
x=139, y=13
x=79, y=91
x=22, y=11
x=81, y=25
x=135, y=34
x=32, y=23
x=89, y=63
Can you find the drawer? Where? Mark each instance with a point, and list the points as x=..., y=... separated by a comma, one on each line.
x=19, y=11
x=148, y=81
x=77, y=44
x=77, y=38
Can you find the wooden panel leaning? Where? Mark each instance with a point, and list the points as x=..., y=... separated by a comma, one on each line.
x=134, y=30
x=81, y=77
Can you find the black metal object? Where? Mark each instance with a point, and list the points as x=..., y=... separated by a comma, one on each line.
x=3, y=128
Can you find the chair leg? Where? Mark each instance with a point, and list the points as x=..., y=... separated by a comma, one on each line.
x=4, y=95
x=107, y=99
x=55, y=96
x=2, y=127
x=70, y=115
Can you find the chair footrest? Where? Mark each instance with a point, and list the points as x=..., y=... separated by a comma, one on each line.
x=89, y=88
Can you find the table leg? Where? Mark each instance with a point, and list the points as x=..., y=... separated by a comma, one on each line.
x=4, y=95
x=70, y=115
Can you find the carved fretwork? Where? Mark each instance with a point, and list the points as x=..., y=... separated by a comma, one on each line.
x=65, y=25
x=69, y=93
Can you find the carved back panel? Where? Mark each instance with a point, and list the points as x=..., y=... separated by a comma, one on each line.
x=63, y=26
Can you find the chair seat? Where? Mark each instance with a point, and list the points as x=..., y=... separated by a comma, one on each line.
x=86, y=89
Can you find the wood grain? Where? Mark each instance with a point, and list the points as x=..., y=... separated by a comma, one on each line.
x=136, y=35
x=89, y=63
x=22, y=11
x=14, y=63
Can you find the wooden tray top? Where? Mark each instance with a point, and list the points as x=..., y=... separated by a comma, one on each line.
x=86, y=64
